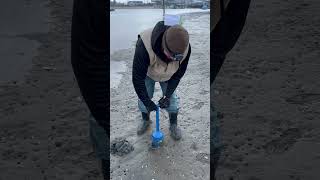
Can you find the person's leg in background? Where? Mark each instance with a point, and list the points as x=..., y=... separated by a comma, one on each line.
x=223, y=38
x=215, y=141
x=100, y=141
x=145, y=123
x=173, y=110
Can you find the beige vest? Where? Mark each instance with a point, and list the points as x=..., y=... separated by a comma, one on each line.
x=159, y=70
x=217, y=11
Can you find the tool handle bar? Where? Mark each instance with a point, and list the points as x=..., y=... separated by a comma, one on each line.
x=157, y=118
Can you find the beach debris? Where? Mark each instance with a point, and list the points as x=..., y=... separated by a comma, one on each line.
x=203, y=157
x=48, y=68
x=58, y=144
x=120, y=147
x=194, y=146
x=303, y=98
x=79, y=98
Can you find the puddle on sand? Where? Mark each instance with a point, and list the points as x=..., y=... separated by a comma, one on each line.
x=116, y=70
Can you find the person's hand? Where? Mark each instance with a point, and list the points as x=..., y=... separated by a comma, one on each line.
x=164, y=102
x=152, y=107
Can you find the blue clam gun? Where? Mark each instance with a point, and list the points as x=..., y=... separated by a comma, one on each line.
x=157, y=135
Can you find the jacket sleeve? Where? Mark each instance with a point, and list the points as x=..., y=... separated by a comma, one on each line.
x=139, y=72
x=89, y=49
x=175, y=79
x=226, y=33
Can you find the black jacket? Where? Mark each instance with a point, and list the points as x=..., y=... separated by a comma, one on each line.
x=141, y=62
x=89, y=49
x=226, y=33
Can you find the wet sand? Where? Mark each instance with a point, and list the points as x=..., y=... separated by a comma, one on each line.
x=269, y=93
x=16, y=48
x=187, y=159
x=44, y=122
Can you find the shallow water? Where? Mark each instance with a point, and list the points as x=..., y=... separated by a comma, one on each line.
x=16, y=49
x=116, y=67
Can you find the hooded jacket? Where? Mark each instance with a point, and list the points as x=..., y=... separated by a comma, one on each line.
x=219, y=6
x=227, y=28
x=141, y=64
x=89, y=49
x=159, y=70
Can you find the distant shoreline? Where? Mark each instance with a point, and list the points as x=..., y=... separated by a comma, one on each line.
x=142, y=7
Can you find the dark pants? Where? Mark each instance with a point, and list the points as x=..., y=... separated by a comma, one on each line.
x=223, y=38
x=215, y=141
x=100, y=142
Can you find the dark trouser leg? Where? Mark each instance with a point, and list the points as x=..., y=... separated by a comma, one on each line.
x=215, y=141
x=105, y=169
x=100, y=142
x=225, y=35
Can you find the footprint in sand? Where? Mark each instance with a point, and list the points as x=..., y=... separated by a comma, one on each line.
x=203, y=157
x=286, y=140
x=303, y=98
x=198, y=105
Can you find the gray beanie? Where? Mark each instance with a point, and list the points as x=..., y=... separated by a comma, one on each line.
x=176, y=39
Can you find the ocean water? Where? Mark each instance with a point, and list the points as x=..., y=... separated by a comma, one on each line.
x=125, y=25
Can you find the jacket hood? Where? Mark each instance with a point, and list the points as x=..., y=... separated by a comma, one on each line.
x=156, y=38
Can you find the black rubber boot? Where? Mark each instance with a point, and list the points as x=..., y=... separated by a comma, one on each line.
x=175, y=131
x=144, y=124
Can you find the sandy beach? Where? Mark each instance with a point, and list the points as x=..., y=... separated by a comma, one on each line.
x=44, y=122
x=269, y=94
x=188, y=158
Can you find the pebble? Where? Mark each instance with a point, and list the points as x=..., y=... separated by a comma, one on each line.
x=194, y=146
x=58, y=144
